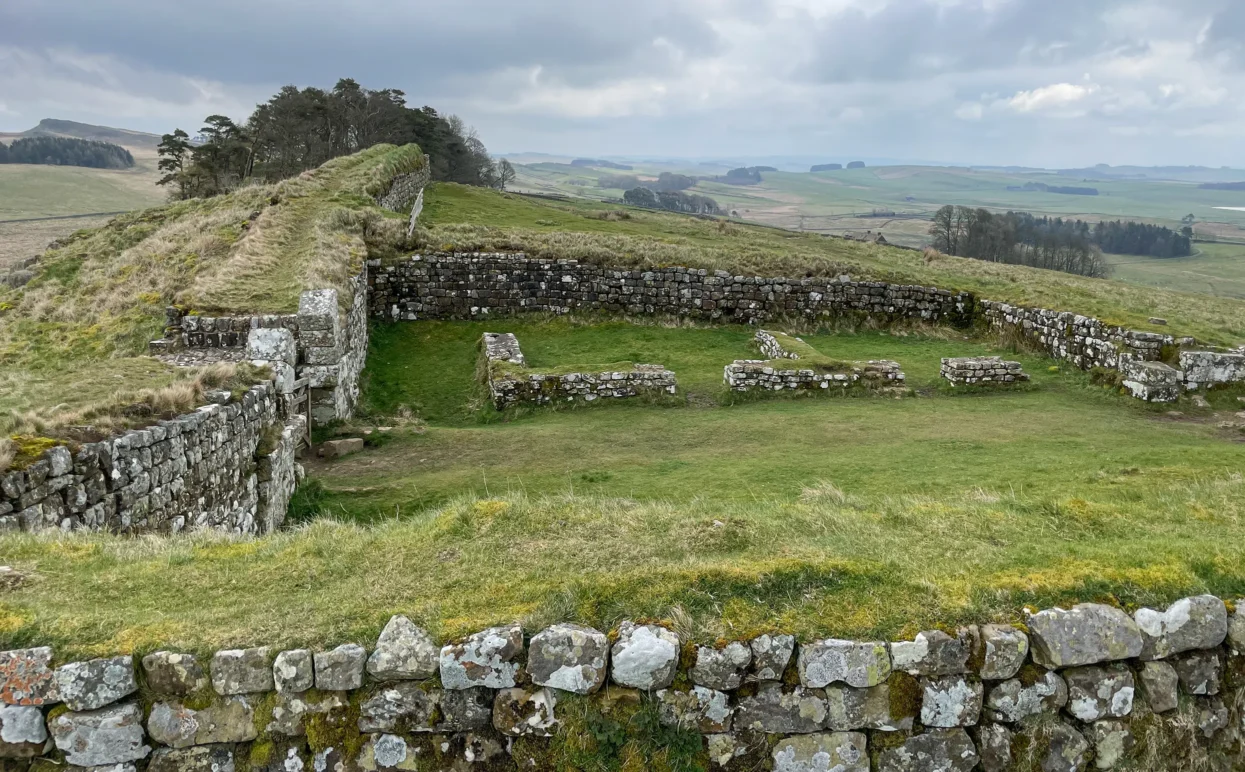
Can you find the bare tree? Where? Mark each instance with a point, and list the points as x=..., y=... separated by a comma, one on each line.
x=505, y=173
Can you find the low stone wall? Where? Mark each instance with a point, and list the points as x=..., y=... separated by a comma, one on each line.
x=982, y=371
x=1209, y=368
x=765, y=375
x=510, y=383
x=470, y=286
x=1071, y=689
x=227, y=466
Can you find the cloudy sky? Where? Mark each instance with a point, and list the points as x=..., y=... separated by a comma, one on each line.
x=1037, y=82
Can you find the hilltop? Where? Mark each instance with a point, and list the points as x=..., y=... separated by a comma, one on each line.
x=54, y=127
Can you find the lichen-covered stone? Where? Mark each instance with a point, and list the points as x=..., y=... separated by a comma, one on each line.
x=272, y=344
x=403, y=652
x=950, y=701
x=872, y=707
x=994, y=747
x=95, y=683
x=945, y=750
x=228, y=720
x=777, y=709
x=1111, y=740
x=340, y=669
x=1011, y=700
x=525, y=712
x=1208, y=714
x=1198, y=672
x=1097, y=692
x=644, y=656
x=401, y=707
x=931, y=653
x=822, y=752
x=174, y=674
x=465, y=710
x=94, y=738
x=770, y=656
x=569, y=657
x=387, y=752
x=1159, y=684
x=1200, y=622
x=1236, y=627
x=724, y=750
x=1067, y=749
x=822, y=663
x=242, y=671
x=722, y=669
x=1086, y=634
x=27, y=678
x=291, y=709
x=488, y=658
x=294, y=671
x=1004, y=652
x=23, y=735
x=206, y=758
x=701, y=709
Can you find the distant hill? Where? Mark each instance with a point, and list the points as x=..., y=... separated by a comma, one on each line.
x=53, y=127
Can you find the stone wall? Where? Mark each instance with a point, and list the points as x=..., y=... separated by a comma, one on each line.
x=471, y=286
x=767, y=375
x=227, y=466
x=1207, y=368
x=511, y=383
x=1072, y=689
x=981, y=371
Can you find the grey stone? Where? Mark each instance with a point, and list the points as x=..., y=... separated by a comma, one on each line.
x=570, y=658
x=871, y=707
x=701, y=709
x=1010, y=700
x=403, y=652
x=1198, y=672
x=950, y=701
x=340, y=669
x=1097, y=692
x=60, y=461
x=932, y=653
x=227, y=720
x=290, y=710
x=1005, y=649
x=401, y=707
x=1086, y=634
x=488, y=658
x=23, y=735
x=1210, y=716
x=96, y=683
x=525, y=712
x=206, y=758
x=273, y=344
x=770, y=656
x=1236, y=627
x=317, y=310
x=242, y=671
x=644, y=656
x=386, y=751
x=776, y=709
x=343, y=447
x=112, y=735
x=1112, y=741
x=174, y=674
x=1067, y=750
x=724, y=749
x=944, y=750
x=856, y=664
x=464, y=710
x=721, y=669
x=27, y=678
x=294, y=671
x=1159, y=684
x=823, y=752
x=994, y=747
x=1200, y=622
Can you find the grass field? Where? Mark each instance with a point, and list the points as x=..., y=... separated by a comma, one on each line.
x=1214, y=269
x=855, y=517
x=20, y=240
x=29, y=191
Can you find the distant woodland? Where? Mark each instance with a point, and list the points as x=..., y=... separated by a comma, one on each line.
x=66, y=151
x=300, y=129
x=672, y=201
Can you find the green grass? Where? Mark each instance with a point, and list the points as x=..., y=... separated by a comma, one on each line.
x=28, y=191
x=471, y=219
x=1216, y=269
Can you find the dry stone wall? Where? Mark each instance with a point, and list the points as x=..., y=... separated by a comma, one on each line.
x=981, y=371
x=1086, y=687
x=228, y=466
x=764, y=375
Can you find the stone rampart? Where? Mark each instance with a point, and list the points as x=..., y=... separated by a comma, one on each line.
x=1089, y=686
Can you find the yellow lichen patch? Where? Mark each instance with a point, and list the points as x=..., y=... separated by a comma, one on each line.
x=142, y=638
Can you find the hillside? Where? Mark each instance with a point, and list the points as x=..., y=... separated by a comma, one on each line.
x=475, y=219
x=125, y=137
x=84, y=319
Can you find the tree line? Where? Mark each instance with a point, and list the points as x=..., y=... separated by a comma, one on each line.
x=1018, y=238
x=672, y=200
x=300, y=129
x=66, y=151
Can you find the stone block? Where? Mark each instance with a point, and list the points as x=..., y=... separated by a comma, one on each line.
x=340, y=669
x=644, y=656
x=1159, y=684
x=294, y=671
x=206, y=758
x=771, y=654
x=242, y=671
x=1086, y=634
x=822, y=663
x=400, y=707
x=950, y=701
x=339, y=448
x=489, y=658
x=273, y=344
x=403, y=652
x=1112, y=741
x=779, y=709
x=1200, y=622
x=95, y=738
x=946, y=750
x=1004, y=651
x=1010, y=701
x=27, y=677
x=23, y=734
x=525, y=712
x=873, y=707
x=1097, y=692
x=722, y=669
x=932, y=653
x=227, y=720
x=839, y=751
x=1198, y=671
x=90, y=685
x=174, y=674
x=699, y=709
x=570, y=658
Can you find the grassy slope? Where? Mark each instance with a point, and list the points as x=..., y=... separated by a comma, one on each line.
x=1213, y=269
x=28, y=191
x=102, y=294
x=470, y=218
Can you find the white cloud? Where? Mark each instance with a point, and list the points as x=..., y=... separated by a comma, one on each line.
x=970, y=111
x=1056, y=96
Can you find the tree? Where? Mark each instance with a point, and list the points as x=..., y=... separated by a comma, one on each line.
x=505, y=173
x=173, y=151
x=224, y=158
x=1188, y=219
x=641, y=197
